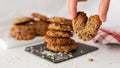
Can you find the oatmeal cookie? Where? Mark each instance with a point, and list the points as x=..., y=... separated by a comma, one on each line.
x=39, y=16
x=59, y=41
x=22, y=29
x=90, y=31
x=79, y=22
x=22, y=20
x=66, y=48
x=55, y=33
x=55, y=26
x=41, y=27
x=28, y=28
x=60, y=20
x=24, y=36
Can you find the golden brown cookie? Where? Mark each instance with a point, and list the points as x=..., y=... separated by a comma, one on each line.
x=55, y=33
x=20, y=31
x=79, y=22
x=41, y=28
x=60, y=20
x=55, y=26
x=39, y=16
x=66, y=48
x=24, y=36
x=28, y=28
x=59, y=41
x=90, y=31
x=22, y=20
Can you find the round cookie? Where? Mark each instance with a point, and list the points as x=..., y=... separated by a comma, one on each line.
x=90, y=31
x=24, y=36
x=54, y=26
x=41, y=28
x=28, y=28
x=60, y=20
x=79, y=22
x=66, y=48
x=39, y=16
x=55, y=33
x=59, y=41
x=22, y=20
x=19, y=31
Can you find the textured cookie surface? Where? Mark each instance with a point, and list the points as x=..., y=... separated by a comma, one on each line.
x=90, y=31
x=60, y=20
x=22, y=20
x=39, y=16
x=24, y=36
x=55, y=33
x=79, y=22
x=23, y=32
x=54, y=26
x=66, y=48
x=41, y=27
x=59, y=41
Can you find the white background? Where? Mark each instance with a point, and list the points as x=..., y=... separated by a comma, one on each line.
x=106, y=56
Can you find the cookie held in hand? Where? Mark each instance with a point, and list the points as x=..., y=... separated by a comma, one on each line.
x=86, y=29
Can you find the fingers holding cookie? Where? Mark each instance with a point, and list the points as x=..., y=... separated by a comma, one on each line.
x=79, y=22
x=92, y=26
x=86, y=29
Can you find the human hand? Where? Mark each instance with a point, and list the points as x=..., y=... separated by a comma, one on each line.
x=103, y=8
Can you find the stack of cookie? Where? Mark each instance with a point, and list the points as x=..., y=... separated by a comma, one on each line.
x=22, y=29
x=58, y=36
x=26, y=28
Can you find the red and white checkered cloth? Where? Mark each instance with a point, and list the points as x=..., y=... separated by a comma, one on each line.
x=108, y=36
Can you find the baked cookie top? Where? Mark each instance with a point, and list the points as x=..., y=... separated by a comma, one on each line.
x=79, y=22
x=56, y=33
x=60, y=20
x=66, y=48
x=39, y=16
x=59, y=41
x=61, y=27
x=41, y=27
x=92, y=27
x=22, y=20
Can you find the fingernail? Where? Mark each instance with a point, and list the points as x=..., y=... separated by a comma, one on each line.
x=103, y=18
x=73, y=16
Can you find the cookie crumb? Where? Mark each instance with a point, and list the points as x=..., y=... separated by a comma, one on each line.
x=90, y=59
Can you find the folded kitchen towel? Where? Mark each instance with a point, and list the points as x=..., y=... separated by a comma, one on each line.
x=108, y=36
x=7, y=42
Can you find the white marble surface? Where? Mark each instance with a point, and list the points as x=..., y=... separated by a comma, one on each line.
x=105, y=57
